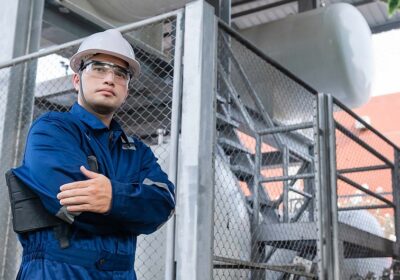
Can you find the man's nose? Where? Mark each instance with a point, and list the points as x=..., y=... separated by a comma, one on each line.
x=109, y=77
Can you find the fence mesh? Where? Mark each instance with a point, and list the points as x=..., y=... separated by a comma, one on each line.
x=255, y=221
x=365, y=194
x=146, y=113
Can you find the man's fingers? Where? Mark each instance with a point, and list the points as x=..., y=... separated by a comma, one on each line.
x=80, y=184
x=84, y=191
x=75, y=200
x=79, y=208
x=75, y=185
x=88, y=173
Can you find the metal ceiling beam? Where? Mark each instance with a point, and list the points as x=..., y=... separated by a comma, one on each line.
x=363, y=2
x=238, y=3
x=61, y=25
x=385, y=27
x=262, y=8
x=305, y=5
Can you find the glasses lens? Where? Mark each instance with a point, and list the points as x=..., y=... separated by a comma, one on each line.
x=120, y=73
x=99, y=69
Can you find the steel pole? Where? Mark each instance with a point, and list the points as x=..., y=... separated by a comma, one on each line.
x=195, y=199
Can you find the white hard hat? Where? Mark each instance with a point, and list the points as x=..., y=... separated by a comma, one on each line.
x=107, y=42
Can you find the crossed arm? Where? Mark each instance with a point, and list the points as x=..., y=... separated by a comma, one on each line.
x=58, y=172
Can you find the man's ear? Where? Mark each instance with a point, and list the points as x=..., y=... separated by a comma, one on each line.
x=76, y=81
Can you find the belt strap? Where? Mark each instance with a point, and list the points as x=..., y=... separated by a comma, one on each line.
x=101, y=260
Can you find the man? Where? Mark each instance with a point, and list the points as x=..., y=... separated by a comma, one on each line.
x=105, y=210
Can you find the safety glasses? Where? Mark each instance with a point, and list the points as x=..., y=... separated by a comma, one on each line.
x=100, y=69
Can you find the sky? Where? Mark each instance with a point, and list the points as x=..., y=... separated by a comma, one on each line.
x=51, y=64
x=386, y=47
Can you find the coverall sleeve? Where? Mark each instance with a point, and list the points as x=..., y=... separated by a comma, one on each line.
x=144, y=206
x=53, y=158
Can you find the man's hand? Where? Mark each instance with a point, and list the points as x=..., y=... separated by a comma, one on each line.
x=92, y=195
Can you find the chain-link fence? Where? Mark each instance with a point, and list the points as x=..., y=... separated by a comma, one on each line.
x=264, y=187
x=270, y=219
x=34, y=86
x=365, y=163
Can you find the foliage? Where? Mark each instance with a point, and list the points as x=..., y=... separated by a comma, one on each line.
x=393, y=6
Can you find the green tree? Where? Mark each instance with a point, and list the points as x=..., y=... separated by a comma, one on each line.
x=393, y=6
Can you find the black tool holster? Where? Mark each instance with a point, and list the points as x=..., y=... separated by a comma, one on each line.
x=28, y=212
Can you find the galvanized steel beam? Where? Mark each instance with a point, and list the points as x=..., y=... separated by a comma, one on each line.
x=25, y=31
x=195, y=199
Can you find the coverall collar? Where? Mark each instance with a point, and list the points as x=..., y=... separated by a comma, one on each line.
x=91, y=120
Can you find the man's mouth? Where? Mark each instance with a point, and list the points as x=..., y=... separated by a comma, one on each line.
x=106, y=91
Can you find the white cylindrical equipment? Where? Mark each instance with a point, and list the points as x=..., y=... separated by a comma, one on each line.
x=328, y=48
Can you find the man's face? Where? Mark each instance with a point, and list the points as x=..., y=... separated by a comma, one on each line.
x=105, y=93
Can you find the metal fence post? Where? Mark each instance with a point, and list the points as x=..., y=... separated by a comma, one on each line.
x=196, y=173
x=285, y=169
x=326, y=191
x=256, y=255
x=175, y=127
x=337, y=250
x=17, y=118
x=396, y=199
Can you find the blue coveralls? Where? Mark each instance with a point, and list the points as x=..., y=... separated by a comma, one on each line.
x=102, y=246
